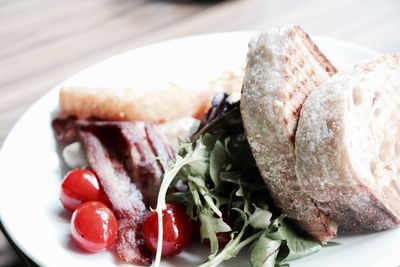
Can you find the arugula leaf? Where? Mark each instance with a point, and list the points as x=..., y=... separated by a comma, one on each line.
x=240, y=193
x=197, y=185
x=294, y=246
x=299, y=246
x=217, y=161
x=234, y=246
x=210, y=226
x=260, y=219
x=195, y=157
x=276, y=232
x=264, y=252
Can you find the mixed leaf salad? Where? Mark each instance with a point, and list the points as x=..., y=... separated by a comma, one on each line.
x=215, y=177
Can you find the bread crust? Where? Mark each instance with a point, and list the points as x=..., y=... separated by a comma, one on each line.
x=344, y=130
x=131, y=104
x=283, y=67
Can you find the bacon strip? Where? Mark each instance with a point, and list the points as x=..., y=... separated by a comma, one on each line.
x=126, y=199
x=164, y=152
x=145, y=152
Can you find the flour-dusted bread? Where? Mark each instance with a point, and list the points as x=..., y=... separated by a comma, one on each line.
x=348, y=146
x=157, y=105
x=283, y=67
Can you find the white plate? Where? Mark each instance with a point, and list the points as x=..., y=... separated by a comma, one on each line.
x=30, y=168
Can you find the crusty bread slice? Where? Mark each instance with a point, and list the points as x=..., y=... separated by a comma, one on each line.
x=132, y=104
x=283, y=67
x=348, y=146
x=158, y=105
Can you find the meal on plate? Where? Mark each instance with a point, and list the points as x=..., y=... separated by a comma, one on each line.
x=292, y=151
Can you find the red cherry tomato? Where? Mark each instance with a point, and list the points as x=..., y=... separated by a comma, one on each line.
x=177, y=230
x=80, y=186
x=94, y=226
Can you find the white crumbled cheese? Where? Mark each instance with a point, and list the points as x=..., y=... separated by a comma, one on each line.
x=234, y=97
x=74, y=155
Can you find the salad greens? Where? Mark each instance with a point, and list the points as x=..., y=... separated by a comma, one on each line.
x=215, y=173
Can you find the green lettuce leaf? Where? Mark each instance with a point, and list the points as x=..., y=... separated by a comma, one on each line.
x=260, y=219
x=294, y=246
x=217, y=161
x=264, y=252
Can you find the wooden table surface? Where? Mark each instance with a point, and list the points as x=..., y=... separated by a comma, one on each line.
x=42, y=42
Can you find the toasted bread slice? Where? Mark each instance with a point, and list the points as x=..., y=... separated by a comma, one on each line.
x=159, y=105
x=348, y=146
x=283, y=67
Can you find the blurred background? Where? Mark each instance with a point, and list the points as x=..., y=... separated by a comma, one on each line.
x=42, y=42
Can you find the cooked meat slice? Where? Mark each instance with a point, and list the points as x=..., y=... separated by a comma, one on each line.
x=125, y=197
x=348, y=146
x=283, y=67
x=140, y=147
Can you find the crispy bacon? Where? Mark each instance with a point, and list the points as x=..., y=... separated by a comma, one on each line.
x=129, y=158
x=125, y=197
x=164, y=152
x=145, y=152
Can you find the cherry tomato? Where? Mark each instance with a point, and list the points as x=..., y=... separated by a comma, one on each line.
x=80, y=186
x=177, y=230
x=94, y=226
